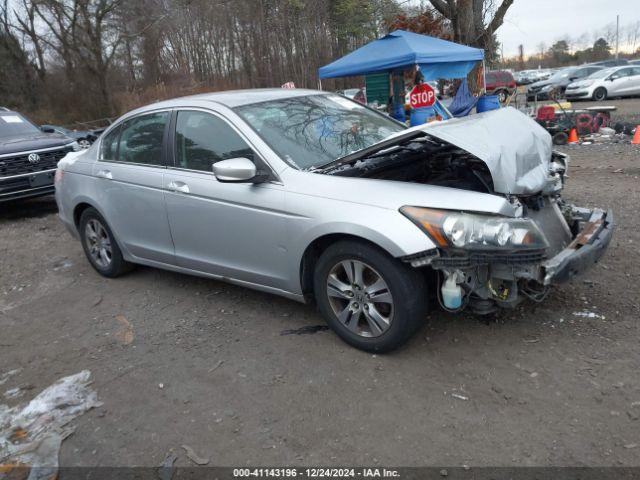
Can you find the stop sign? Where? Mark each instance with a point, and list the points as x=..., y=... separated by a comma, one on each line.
x=422, y=95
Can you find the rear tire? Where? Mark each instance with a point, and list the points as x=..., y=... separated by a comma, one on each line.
x=371, y=300
x=600, y=94
x=100, y=246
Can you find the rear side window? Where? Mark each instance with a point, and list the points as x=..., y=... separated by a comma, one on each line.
x=141, y=139
x=203, y=139
x=491, y=77
x=109, y=145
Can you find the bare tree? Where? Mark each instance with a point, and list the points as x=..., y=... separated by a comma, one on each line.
x=474, y=22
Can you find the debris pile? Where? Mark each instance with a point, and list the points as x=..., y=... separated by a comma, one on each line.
x=31, y=434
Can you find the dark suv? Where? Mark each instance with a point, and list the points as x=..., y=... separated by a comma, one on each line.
x=500, y=83
x=28, y=156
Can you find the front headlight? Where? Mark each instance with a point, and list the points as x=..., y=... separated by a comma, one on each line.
x=546, y=88
x=476, y=232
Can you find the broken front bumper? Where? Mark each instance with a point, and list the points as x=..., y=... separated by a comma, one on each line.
x=585, y=249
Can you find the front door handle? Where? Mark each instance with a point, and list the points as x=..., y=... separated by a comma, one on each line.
x=176, y=186
x=104, y=174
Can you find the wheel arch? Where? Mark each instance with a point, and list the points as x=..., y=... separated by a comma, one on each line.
x=402, y=239
x=78, y=210
x=314, y=250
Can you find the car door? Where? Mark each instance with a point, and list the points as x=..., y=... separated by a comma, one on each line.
x=634, y=81
x=619, y=82
x=233, y=230
x=129, y=185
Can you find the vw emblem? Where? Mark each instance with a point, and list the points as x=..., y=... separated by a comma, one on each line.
x=34, y=158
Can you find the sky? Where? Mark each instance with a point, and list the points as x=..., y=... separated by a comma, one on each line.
x=530, y=22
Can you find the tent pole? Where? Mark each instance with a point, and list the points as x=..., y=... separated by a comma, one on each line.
x=319, y=84
x=484, y=78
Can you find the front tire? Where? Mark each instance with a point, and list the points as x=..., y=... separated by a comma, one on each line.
x=502, y=96
x=100, y=245
x=371, y=300
x=600, y=94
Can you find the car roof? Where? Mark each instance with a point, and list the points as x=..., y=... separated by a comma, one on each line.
x=236, y=98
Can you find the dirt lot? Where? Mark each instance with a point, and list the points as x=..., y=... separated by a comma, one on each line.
x=543, y=386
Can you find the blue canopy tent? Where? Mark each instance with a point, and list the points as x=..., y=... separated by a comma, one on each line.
x=400, y=50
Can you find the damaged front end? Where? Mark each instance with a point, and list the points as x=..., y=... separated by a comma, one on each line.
x=509, y=264
x=489, y=261
x=484, y=260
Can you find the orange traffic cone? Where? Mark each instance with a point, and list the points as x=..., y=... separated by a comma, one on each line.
x=573, y=136
x=636, y=136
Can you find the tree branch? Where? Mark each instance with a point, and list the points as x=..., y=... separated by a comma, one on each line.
x=498, y=18
x=443, y=7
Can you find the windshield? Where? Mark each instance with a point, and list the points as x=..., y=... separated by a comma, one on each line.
x=317, y=129
x=15, y=125
x=562, y=74
x=602, y=73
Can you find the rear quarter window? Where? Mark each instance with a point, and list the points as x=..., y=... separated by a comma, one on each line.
x=109, y=145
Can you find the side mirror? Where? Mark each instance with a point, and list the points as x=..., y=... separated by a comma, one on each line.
x=47, y=130
x=237, y=170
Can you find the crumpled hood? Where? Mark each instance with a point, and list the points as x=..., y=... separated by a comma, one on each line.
x=515, y=148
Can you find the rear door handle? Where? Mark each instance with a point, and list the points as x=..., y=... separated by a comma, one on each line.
x=104, y=174
x=177, y=186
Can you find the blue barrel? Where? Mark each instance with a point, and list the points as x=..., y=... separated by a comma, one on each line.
x=421, y=115
x=398, y=112
x=487, y=102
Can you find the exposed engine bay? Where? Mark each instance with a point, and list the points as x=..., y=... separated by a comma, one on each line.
x=486, y=275
x=424, y=160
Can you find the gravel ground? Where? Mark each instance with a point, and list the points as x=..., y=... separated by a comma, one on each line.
x=208, y=365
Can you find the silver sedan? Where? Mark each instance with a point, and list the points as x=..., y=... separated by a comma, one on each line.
x=317, y=198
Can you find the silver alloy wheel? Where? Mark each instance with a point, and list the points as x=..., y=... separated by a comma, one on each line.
x=84, y=143
x=360, y=298
x=98, y=243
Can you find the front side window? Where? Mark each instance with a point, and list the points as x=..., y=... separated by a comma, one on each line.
x=203, y=139
x=314, y=130
x=141, y=139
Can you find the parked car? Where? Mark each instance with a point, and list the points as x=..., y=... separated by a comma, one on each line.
x=635, y=61
x=610, y=82
x=523, y=77
x=555, y=85
x=28, y=156
x=317, y=198
x=500, y=83
x=614, y=62
x=84, y=137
